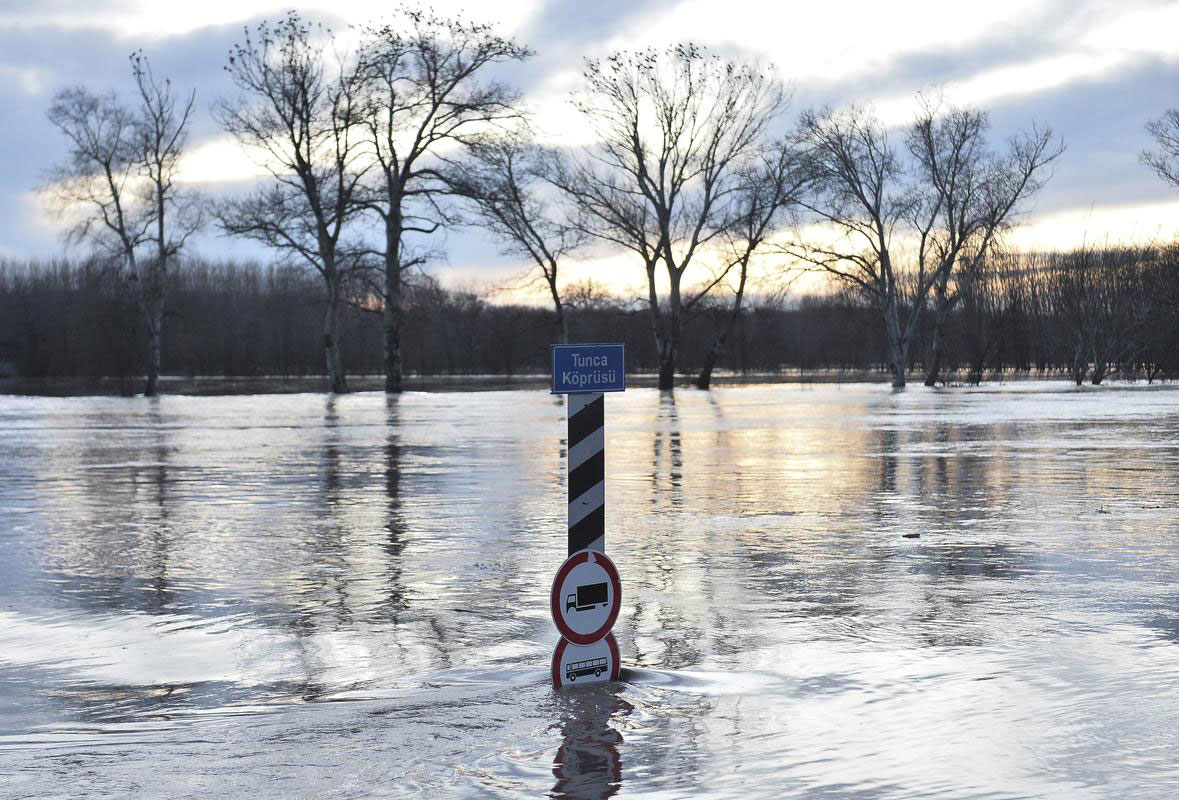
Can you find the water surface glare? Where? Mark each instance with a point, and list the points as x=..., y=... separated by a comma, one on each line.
x=305, y=596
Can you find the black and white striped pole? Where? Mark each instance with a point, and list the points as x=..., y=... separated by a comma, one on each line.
x=587, y=472
x=587, y=593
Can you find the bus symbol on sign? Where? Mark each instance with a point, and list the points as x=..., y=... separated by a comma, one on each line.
x=593, y=666
x=588, y=664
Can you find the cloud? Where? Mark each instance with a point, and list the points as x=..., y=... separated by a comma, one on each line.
x=1098, y=226
x=831, y=41
x=148, y=20
x=1095, y=71
x=1102, y=123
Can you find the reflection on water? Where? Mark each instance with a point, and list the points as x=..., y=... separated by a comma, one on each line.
x=587, y=765
x=306, y=595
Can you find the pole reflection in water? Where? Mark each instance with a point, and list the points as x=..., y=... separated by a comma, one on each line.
x=588, y=765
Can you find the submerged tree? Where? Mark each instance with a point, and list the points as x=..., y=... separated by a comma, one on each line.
x=1107, y=305
x=299, y=111
x=424, y=88
x=856, y=175
x=674, y=129
x=967, y=196
x=900, y=227
x=118, y=184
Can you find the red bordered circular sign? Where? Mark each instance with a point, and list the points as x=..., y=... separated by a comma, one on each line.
x=585, y=597
x=594, y=663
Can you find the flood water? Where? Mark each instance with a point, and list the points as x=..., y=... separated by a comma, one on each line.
x=303, y=596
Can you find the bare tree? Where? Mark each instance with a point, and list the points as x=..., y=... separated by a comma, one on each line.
x=856, y=175
x=1164, y=160
x=674, y=129
x=424, y=88
x=967, y=197
x=119, y=185
x=503, y=179
x=989, y=301
x=901, y=227
x=1109, y=307
x=299, y=110
x=161, y=133
x=767, y=189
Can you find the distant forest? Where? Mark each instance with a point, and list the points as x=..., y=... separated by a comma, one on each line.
x=1088, y=315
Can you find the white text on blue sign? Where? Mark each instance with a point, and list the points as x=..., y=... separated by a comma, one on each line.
x=589, y=368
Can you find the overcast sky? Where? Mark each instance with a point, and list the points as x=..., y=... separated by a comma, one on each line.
x=1094, y=71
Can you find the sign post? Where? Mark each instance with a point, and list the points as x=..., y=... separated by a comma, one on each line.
x=587, y=472
x=586, y=592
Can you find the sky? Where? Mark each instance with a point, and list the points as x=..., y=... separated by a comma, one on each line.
x=1096, y=71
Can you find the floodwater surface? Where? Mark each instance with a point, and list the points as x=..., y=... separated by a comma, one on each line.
x=305, y=596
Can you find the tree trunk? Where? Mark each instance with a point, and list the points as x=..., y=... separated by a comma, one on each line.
x=663, y=331
x=900, y=357
x=667, y=341
x=139, y=298
x=1100, y=371
x=937, y=346
x=155, y=332
x=391, y=315
x=704, y=379
x=978, y=365
x=898, y=344
x=153, y=306
x=666, y=365
x=391, y=325
x=331, y=342
x=1080, y=364
x=563, y=327
x=154, y=291
x=559, y=308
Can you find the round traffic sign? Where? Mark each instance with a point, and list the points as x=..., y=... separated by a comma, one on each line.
x=585, y=597
x=581, y=664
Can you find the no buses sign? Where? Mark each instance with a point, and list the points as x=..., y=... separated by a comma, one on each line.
x=591, y=663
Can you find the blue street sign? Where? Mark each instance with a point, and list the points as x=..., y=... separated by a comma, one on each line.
x=584, y=368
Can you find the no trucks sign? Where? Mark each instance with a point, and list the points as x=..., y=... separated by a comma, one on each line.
x=585, y=597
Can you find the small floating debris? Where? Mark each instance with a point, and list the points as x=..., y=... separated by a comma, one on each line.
x=1101, y=509
x=911, y=535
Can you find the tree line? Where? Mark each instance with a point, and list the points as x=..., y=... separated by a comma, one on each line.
x=1086, y=314
x=692, y=170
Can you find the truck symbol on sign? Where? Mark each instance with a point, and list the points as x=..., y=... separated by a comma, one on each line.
x=593, y=666
x=586, y=597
